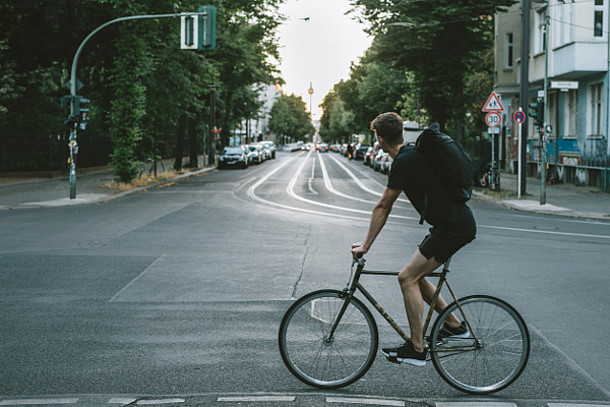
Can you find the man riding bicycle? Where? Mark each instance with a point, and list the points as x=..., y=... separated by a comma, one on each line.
x=453, y=226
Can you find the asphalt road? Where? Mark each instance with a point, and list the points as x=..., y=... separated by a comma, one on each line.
x=177, y=292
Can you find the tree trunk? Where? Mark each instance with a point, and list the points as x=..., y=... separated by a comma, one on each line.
x=192, y=133
x=180, y=142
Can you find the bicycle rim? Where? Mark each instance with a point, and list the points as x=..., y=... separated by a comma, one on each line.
x=325, y=362
x=495, y=359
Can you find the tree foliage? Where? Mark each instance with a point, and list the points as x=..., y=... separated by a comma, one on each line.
x=439, y=42
x=146, y=94
x=289, y=117
x=373, y=88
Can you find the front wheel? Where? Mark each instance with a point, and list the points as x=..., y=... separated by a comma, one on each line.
x=489, y=360
x=321, y=360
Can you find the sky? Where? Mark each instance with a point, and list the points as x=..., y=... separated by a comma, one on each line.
x=318, y=51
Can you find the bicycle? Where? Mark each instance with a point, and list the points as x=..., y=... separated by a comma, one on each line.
x=329, y=338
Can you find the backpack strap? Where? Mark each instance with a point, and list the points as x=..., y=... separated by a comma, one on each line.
x=424, y=209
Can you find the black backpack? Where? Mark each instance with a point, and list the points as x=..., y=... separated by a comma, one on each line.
x=449, y=160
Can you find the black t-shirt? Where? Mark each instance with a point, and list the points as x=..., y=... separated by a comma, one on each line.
x=412, y=173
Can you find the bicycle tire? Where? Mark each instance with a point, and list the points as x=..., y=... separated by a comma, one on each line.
x=493, y=362
x=323, y=363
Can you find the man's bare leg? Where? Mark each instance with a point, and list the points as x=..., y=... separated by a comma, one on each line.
x=427, y=291
x=409, y=279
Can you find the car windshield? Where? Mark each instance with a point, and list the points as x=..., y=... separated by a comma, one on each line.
x=252, y=148
x=232, y=150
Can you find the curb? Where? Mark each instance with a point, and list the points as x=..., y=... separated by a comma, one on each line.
x=101, y=198
x=531, y=206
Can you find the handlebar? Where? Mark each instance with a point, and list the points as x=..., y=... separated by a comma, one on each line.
x=358, y=259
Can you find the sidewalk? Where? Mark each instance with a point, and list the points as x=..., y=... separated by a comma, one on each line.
x=92, y=186
x=29, y=191
x=561, y=199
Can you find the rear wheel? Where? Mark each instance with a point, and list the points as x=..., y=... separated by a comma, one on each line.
x=489, y=360
x=318, y=359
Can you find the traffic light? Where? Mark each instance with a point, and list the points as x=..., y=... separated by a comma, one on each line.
x=83, y=109
x=83, y=112
x=207, y=28
x=537, y=112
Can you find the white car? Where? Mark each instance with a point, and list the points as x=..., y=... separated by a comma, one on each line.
x=386, y=163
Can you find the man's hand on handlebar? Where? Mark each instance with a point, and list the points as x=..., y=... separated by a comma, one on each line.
x=358, y=250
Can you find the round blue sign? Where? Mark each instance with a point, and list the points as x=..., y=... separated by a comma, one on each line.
x=519, y=116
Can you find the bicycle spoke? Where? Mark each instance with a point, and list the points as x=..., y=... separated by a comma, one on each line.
x=320, y=360
x=492, y=361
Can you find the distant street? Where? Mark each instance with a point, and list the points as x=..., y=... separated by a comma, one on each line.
x=179, y=291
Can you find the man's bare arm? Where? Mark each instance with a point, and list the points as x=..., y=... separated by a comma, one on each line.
x=378, y=219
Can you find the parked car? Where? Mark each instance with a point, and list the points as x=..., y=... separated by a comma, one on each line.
x=368, y=157
x=233, y=157
x=360, y=151
x=270, y=146
x=386, y=163
x=378, y=160
x=376, y=149
x=255, y=154
x=322, y=147
x=266, y=151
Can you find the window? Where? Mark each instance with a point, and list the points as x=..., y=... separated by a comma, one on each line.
x=540, y=34
x=508, y=51
x=595, y=114
x=598, y=18
x=563, y=25
x=570, y=114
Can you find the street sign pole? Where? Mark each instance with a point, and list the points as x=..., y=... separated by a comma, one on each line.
x=520, y=118
x=519, y=162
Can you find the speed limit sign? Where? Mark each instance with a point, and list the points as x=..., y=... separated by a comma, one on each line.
x=493, y=119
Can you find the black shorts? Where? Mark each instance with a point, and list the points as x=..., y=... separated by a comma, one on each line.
x=443, y=242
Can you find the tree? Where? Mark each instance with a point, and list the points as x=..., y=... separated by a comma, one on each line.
x=139, y=83
x=289, y=117
x=337, y=122
x=435, y=40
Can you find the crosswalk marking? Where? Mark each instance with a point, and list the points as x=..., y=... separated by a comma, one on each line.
x=33, y=402
x=474, y=404
x=371, y=402
x=575, y=405
x=257, y=398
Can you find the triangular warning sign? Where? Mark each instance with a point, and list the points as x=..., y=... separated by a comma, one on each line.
x=493, y=104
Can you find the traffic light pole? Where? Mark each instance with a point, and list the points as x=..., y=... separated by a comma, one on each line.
x=73, y=109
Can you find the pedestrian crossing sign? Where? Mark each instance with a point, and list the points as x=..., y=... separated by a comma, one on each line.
x=493, y=104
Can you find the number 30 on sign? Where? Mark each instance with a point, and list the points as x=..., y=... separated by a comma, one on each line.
x=493, y=119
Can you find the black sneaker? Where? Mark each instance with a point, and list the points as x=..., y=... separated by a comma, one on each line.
x=449, y=332
x=405, y=353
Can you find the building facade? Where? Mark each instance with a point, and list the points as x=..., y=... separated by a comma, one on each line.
x=575, y=55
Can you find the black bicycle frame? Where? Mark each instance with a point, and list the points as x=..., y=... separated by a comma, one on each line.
x=355, y=285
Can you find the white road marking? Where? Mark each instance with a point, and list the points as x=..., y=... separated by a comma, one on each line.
x=255, y=399
x=474, y=404
x=137, y=278
x=159, y=401
x=290, y=189
x=366, y=401
x=34, y=402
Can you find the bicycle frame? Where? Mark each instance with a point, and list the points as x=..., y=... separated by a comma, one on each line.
x=354, y=285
